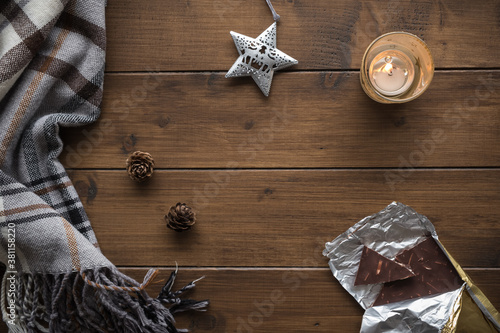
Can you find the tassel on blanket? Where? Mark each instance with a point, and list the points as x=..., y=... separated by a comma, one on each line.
x=100, y=300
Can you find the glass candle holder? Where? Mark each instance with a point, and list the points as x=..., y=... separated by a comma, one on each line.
x=397, y=67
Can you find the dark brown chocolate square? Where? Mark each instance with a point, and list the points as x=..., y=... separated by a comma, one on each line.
x=434, y=274
x=375, y=268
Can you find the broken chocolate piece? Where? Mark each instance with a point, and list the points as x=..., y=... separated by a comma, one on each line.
x=434, y=274
x=375, y=268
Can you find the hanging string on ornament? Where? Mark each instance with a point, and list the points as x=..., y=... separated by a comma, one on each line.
x=259, y=57
x=276, y=17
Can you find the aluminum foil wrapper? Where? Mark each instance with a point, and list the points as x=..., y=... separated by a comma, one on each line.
x=389, y=232
x=426, y=314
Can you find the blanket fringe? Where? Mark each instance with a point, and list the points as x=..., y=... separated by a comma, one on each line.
x=100, y=300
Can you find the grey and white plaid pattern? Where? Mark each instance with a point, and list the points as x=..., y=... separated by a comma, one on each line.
x=51, y=75
x=23, y=30
x=52, y=56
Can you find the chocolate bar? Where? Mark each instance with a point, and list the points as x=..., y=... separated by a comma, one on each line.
x=375, y=268
x=434, y=274
x=450, y=301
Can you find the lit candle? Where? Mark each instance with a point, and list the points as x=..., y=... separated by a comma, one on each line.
x=391, y=72
x=396, y=68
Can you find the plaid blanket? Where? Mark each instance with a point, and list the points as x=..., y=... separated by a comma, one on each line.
x=52, y=56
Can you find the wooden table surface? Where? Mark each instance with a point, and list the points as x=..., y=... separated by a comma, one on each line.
x=272, y=179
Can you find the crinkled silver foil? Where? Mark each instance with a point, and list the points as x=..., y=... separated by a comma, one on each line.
x=390, y=231
x=424, y=315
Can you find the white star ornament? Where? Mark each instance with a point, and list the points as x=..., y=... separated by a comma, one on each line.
x=259, y=58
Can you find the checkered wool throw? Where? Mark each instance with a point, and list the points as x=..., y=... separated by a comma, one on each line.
x=57, y=280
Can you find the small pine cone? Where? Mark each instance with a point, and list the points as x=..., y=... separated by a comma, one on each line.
x=140, y=166
x=180, y=217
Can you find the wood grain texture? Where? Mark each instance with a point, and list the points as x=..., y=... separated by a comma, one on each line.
x=281, y=217
x=311, y=300
x=316, y=119
x=181, y=35
x=276, y=300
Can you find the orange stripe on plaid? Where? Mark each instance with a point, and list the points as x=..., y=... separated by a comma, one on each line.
x=23, y=209
x=25, y=102
x=52, y=188
x=72, y=244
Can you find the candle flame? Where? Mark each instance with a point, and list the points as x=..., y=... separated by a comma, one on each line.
x=388, y=69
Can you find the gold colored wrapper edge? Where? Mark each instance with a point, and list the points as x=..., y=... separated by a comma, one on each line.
x=451, y=325
x=494, y=315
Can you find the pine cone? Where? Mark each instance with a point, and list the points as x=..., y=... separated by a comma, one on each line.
x=180, y=217
x=140, y=166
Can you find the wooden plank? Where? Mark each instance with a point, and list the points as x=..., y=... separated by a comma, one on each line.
x=312, y=120
x=323, y=34
x=276, y=300
x=281, y=217
x=311, y=300
x=303, y=301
